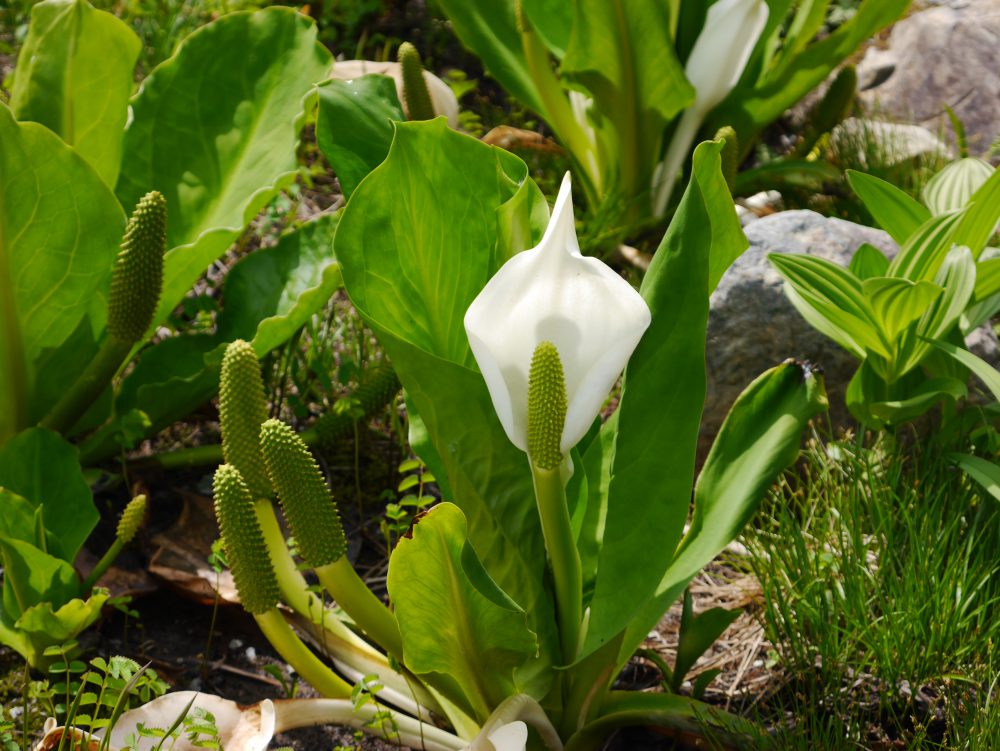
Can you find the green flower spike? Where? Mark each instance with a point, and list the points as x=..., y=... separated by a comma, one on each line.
x=244, y=542
x=242, y=410
x=131, y=519
x=311, y=511
x=138, y=274
x=546, y=406
x=415, y=93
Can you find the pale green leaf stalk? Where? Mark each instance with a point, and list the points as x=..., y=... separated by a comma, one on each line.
x=315, y=522
x=136, y=282
x=546, y=418
x=128, y=526
x=138, y=274
x=242, y=410
x=417, y=97
x=256, y=582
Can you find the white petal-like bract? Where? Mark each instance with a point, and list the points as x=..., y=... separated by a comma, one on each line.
x=554, y=293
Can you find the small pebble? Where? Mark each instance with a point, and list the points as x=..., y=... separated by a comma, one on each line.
x=235, y=644
x=251, y=654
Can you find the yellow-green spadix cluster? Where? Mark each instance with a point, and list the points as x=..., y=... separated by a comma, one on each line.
x=302, y=491
x=244, y=542
x=131, y=519
x=546, y=406
x=242, y=410
x=415, y=92
x=137, y=277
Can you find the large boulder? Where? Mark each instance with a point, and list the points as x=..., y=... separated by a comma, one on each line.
x=752, y=326
x=943, y=55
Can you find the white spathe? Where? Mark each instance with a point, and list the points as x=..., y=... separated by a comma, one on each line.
x=554, y=293
x=715, y=65
x=510, y=737
x=442, y=97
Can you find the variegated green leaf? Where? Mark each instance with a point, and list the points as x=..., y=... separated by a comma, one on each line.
x=898, y=302
x=895, y=211
x=952, y=188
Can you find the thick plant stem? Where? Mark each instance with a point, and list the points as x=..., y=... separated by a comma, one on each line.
x=550, y=495
x=102, y=565
x=299, y=656
x=290, y=714
x=348, y=651
x=88, y=387
x=369, y=612
x=559, y=111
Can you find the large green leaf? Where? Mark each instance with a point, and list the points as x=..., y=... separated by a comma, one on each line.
x=454, y=619
x=832, y=300
x=897, y=303
x=979, y=222
x=59, y=230
x=215, y=128
x=622, y=53
x=759, y=439
x=983, y=471
x=952, y=188
x=32, y=577
x=895, y=211
x=74, y=76
x=416, y=244
x=982, y=369
x=43, y=469
x=354, y=126
x=653, y=465
x=924, y=251
x=489, y=28
x=271, y=293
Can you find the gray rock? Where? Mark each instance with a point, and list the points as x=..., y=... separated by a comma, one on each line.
x=753, y=327
x=944, y=55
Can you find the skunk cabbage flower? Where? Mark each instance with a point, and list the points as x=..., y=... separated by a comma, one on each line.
x=552, y=293
x=723, y=48
x=715, y=65
x=443, y=100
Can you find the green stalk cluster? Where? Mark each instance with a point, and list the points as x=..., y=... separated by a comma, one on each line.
x=242, y=410
x=301, y=488
x=244, y=542
x=546, y=407
x=137, y=278
x=417, y=97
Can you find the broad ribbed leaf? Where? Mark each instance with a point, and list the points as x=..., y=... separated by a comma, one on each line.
x=957, y=276
x=952, y=188
x=979, y=221
x=60, y=226
x=271, y=293
x=490, y=30
x=417, y=242
x=759, y=439
x=454, y=619
x=924, y=251
x=354, y=126
x=987, y=278
x=897, y=303
x=868, y=262
x=833, y=295
x=653, y=464
x=930, y=393
x=894, y=210
x=43, y=469
x=980, y=368
x=622, y=53
x=74, y=76
x=553, y=20
x=214, y=129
